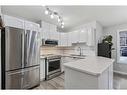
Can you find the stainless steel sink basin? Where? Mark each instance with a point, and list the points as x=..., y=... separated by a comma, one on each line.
x=78, y=56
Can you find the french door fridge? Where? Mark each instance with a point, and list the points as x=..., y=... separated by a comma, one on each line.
x=20, y=58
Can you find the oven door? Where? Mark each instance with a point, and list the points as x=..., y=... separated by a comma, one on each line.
x=53, y=66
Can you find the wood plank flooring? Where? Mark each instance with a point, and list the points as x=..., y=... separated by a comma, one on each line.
x=119, y=82
x=55, y=83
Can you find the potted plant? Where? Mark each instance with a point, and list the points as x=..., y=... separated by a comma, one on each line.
x=107, y=39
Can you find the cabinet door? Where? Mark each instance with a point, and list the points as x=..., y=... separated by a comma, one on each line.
x=53, y=32
x=42, y=69
x=13, y=22
x=31, y=26
x=46, y=31
x=75, y=36
x=91, y=37
x=110, y=77
x=28, y=25
x=63, y=39
x=82, y=36
x=70, y=39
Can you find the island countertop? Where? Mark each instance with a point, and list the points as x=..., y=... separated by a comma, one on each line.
x=94, y=65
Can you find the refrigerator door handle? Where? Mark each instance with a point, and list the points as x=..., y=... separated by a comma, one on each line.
x=26, y=55
x=22, y=50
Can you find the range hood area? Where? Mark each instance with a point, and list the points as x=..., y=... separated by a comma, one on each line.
x=49, y=42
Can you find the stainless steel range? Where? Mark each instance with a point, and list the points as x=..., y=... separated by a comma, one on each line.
x=53, y=66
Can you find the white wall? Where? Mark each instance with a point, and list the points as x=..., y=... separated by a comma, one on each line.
x=113, y=31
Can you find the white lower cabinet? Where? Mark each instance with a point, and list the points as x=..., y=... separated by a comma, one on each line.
x=75, y=79
x=66, y=59
x=42, y=69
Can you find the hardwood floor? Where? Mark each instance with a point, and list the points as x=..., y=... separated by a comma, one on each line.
x=55, y=83
x=119, y=82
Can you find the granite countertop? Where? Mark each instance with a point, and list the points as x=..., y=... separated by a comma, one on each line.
x=63, y=55
x=94, y=65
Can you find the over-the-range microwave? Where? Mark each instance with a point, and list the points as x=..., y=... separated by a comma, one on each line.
x=49, y=42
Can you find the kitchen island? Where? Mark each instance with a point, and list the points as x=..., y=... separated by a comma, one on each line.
x=93, y=72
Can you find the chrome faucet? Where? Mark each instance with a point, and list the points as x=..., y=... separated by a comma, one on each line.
x=80, y=51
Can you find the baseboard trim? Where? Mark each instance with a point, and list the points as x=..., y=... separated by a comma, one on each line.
x=119, y=72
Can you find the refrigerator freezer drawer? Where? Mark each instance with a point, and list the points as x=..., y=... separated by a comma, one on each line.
x=31, y=77
x=23, y=79
x=14, y=79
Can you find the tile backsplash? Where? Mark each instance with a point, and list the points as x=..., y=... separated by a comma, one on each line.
x=50, y=50
x=86, y=50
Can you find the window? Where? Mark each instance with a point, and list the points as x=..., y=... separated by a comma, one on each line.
x=122, y=47
x=123, y=43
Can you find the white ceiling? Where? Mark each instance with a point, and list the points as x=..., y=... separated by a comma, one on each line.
x=72, y=15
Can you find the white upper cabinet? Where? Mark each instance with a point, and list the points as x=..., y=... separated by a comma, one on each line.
x=91, y=37
x=20, y=23
x=63, y=39
x=31, y=26
x=49, y=31
x=45, y=30
x=74, y=36
x=69, y=38
x=53, y=32
x=13, y=22
x=83, y=36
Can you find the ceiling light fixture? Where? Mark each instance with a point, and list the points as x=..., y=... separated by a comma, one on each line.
x=62, y=23
x=52, y=16
x=55, y=14
x=62, y=26
x=58, y=19
x=47, y=11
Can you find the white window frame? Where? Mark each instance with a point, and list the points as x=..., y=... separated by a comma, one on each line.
x=118, y=44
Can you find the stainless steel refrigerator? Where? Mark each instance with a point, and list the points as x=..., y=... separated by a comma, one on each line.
x=20, y=58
